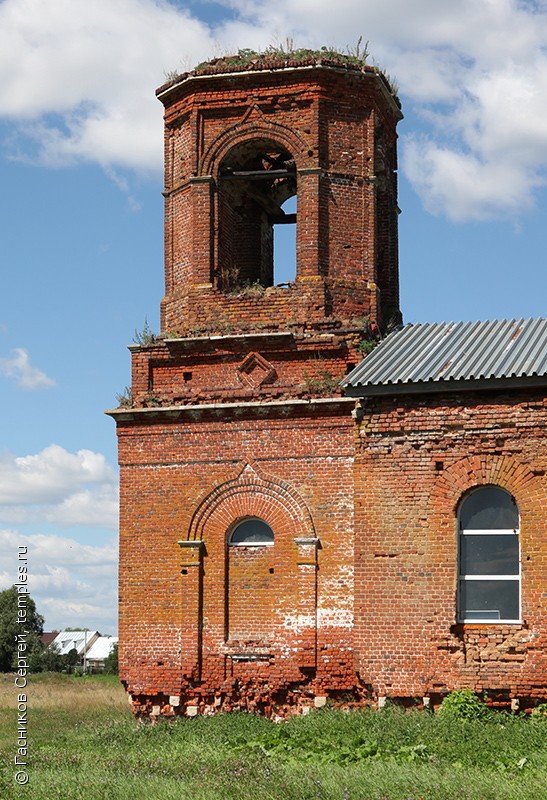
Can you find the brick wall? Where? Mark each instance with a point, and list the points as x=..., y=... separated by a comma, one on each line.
x=202, y=623
x=232, y=368
x=418, y=456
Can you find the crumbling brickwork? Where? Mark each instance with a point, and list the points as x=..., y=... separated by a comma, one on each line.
x=235, y=411
x=200, y=620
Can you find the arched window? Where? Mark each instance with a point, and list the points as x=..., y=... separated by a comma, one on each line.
x=252, y=531
x=489, y=558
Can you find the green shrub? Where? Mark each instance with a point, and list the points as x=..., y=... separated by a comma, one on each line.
x=463, y=704
x=146, y=336
x=540, y=712
x=366, y=346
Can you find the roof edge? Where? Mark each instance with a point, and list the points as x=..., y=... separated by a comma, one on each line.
x=447, y=386
x=163, y=92
x=128, y=414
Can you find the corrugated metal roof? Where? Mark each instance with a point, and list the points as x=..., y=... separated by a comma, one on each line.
x=445, y=355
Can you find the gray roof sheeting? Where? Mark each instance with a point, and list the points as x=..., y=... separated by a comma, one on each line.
x=450, y=355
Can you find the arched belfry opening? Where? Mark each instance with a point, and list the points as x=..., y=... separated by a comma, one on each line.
x=255, y=179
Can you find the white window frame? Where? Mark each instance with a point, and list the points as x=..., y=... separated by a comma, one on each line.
x=465, y=578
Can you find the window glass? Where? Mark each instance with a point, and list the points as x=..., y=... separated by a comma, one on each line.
x=489, y=557
x=490, y=600
x=490, y=554
x=252, y=531
x=489, y=508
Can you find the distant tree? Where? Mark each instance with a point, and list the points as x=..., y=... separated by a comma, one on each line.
x=111, y=662
x=49, y=659
x=78, y=629
x=72, y=659
x=16, y=606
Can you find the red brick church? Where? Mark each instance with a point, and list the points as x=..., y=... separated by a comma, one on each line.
x=299, y=522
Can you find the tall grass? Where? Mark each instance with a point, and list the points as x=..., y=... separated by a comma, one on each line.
x=85, y=744
x=54, y=690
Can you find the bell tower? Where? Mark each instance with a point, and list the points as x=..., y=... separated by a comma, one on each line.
x=241, y=140
x=236, y=446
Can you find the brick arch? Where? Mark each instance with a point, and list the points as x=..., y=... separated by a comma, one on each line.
x=252, y=495
x=248, y=131
x=473, y=471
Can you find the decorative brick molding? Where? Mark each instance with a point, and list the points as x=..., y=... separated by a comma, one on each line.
x=481, y=470
x=191, y=571
x=307, y=600
x=255, y=371
x=251, y=495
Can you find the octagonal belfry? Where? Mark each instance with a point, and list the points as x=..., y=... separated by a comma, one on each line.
x=239, y=142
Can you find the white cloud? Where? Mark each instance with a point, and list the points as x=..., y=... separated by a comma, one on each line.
x=25, y=375
x=88, y=507
x=73, y=584
x=59, y=487
x=465, y=187
x=79, y=77
x=473, y=77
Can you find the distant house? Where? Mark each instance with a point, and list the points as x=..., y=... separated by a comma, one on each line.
x=81, y=641
x=99, y=652
x=48, y=637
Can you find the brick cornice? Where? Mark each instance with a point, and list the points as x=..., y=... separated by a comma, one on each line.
x=175, y=413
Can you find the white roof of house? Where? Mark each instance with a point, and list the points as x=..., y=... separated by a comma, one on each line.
x=65, y=641
x=101, y=648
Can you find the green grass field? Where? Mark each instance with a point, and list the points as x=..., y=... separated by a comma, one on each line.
x=83, y=743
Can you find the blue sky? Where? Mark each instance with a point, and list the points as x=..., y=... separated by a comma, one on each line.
x=82, y=220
